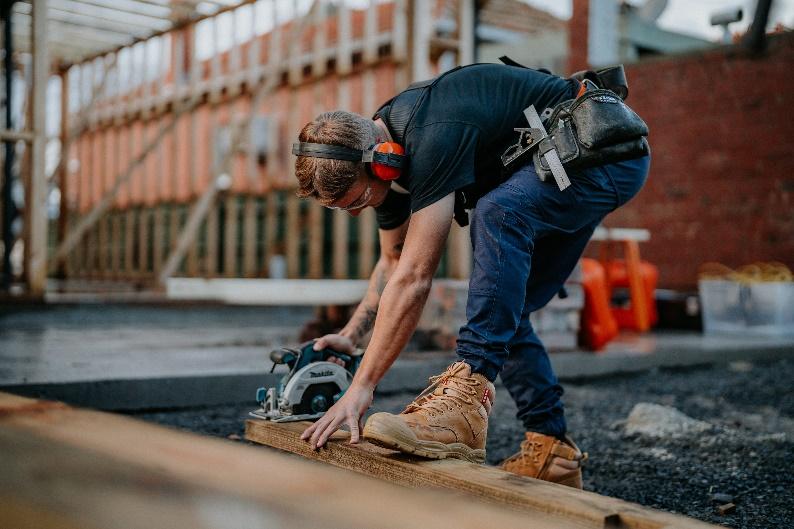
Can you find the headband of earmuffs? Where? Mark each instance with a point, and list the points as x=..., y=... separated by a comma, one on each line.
x=383, y=160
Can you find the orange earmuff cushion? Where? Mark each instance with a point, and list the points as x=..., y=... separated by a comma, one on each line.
x=384, y=172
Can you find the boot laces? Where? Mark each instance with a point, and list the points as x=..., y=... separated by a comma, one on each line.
x=460, y=392
x=531, y=450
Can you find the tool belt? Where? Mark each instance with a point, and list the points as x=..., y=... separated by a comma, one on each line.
x=594, y=128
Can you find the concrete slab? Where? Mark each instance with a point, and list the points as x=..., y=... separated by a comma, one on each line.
x=143, y=357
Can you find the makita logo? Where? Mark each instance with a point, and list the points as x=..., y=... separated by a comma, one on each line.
x=605, y=99
x=315, y=374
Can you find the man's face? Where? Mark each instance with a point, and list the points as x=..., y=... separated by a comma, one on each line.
x=365, y=192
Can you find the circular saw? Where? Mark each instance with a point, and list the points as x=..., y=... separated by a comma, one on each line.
x=310, y=387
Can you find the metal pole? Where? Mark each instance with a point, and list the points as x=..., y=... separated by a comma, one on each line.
x=9, y=209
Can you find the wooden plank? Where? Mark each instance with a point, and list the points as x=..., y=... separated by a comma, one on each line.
x=293, y=235
x=249, y=237
x=420, y=20
x=344, y=51
x=103, y=250
x=319, y=58
x=370, y=54
x=191, y=258
x=91, y=253
x=69, y=468
x=316, y=231
x=144, y=215
x=35, y=213
x=341, y=236
x=158, y=239
x=146, y=86
x=174, y=223
x=366, y=246
x=233, y=75
x=166, y=64
x=466, y=35
x=115, y=241
x=230, y=228
x=195, y=75
x=254, y=67
x=271, y=223
x=399, y=45
x=274, y=48
x=295, y=72
x=129, y=241
x=62, y=172
x=72, y=258
x=486, y=483
x=216, y=76
x=211, y=248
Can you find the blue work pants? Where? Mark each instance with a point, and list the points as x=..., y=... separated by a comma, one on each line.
x=527, y=236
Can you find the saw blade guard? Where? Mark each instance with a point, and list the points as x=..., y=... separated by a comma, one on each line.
x=323, y=375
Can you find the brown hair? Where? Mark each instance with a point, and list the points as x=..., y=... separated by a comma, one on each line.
x=327, y=179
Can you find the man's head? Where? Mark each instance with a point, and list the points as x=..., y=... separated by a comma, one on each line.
x=339, y=183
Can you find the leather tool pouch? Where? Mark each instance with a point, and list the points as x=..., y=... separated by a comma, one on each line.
x=595, y=129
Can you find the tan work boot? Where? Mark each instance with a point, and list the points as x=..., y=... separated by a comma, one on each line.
x=547, y=458
x=448, y=419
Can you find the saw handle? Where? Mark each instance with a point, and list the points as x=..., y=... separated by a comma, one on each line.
x=346, y=358
x=283, y=356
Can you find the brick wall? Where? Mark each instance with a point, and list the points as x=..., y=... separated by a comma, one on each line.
x=721, y=186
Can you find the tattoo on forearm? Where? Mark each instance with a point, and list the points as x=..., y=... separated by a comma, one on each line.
x=367, y=321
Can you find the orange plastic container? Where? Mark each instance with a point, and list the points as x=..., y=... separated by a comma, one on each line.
x=619, y=278
x=598, y=325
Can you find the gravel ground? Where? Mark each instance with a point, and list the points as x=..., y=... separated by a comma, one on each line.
x=745, y=450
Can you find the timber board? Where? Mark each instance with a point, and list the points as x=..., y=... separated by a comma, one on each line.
x=486, y=483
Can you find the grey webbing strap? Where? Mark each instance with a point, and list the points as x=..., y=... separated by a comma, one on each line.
x=551, y=156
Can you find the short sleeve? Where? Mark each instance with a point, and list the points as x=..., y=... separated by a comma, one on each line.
x=394, y=210
x=442, y=161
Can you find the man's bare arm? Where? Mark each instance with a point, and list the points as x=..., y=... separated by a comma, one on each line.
x=391, y=246
x=405, y=293
x=399, y=309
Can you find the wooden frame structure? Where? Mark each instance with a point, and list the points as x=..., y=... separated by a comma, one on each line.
x=175, y=141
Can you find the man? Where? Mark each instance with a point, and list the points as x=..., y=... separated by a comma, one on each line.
x=526, y=234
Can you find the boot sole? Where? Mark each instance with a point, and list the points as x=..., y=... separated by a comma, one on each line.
x=573, y=480
x=387, y=431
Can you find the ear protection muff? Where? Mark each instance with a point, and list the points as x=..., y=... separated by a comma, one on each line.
x=382, y=160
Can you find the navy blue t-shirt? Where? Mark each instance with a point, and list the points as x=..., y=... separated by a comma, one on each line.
x=458, y=130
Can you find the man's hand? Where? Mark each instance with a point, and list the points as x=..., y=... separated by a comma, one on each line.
x=337, y=342
x=348, y=410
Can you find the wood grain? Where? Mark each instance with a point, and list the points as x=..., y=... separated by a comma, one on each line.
x=486, y=483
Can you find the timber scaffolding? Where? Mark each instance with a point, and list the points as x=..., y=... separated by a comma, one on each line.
x=66, y=467
x=174, y=144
